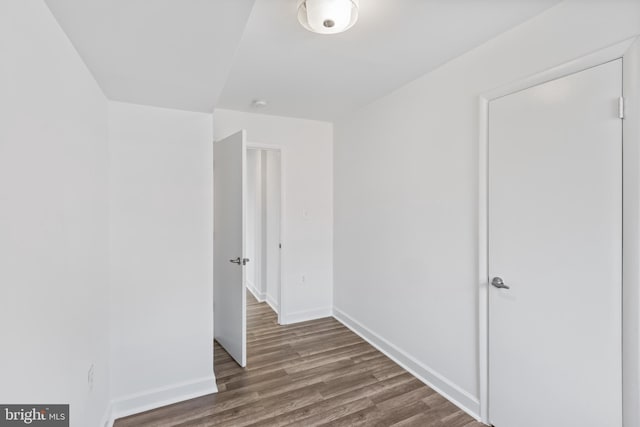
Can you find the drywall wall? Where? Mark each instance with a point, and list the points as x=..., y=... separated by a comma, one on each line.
x=272, y=227
x=254, y=224
x=53, y=219
x=405, y=186
x=262, y=224
x=161, y=246
x=308, y=199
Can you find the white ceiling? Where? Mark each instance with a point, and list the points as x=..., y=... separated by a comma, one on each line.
x=200, y=54
x=167, y=53
x=307, y=75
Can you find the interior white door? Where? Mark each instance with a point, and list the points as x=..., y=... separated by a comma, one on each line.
x=229, y=297
x=555, y=239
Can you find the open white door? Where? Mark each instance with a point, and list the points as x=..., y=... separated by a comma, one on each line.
x=229, y=296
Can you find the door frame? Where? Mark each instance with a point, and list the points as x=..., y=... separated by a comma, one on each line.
x=280, y=149
x=629, y=51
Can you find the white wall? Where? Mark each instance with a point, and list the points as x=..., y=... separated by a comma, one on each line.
x=406, y=166
x=261, y=225
x=272, y=227
x=161, y=244
x=53, y=219
x=307, y=188
x=254, y=223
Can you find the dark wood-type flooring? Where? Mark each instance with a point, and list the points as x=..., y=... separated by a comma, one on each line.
x=308, y=374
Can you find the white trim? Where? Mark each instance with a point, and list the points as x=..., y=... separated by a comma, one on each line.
x=260, y=296
x=273, y=304
x=303, y=316
x=283, y=236
x=610, y=53
x=483, y=260
x=456, y=395
x=631, y=238
x=107, y=419
x=266, y=147
x=283, y=155
x=161, y=396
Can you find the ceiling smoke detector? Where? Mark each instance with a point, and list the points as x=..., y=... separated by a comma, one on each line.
x=327, y=16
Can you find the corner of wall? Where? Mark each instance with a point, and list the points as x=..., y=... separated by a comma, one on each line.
x=306, y=315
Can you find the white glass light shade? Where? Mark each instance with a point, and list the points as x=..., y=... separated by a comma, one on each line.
x=327, y=16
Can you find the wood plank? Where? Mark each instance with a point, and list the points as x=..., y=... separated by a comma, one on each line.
x=308, y=374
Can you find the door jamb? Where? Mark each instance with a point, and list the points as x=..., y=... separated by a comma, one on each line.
x=282, y=151
x=613, y=52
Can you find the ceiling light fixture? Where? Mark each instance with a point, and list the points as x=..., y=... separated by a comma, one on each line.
x=327, y=16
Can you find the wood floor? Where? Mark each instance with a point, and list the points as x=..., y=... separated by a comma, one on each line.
x=308, y=374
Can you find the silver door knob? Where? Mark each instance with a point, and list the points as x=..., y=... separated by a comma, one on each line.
x=498, y=283
x=236, y=261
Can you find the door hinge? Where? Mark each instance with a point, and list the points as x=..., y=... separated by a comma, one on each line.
x=621, y=107
x=279, y=245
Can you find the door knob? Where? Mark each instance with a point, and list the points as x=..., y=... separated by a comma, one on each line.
x=499, y=283
x=236, y=261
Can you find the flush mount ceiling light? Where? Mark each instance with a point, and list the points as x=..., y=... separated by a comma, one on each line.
x=327, y=16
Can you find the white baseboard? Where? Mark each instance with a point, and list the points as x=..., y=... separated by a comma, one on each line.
x=107, y=419
x=303, y=316
x=158, y=397
x=439, y=383
x=273, y=303
x=260, y=296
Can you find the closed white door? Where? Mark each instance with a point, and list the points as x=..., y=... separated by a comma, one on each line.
x=229, y=297
x=555, y=239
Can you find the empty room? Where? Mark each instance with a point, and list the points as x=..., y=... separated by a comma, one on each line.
x=320, y=213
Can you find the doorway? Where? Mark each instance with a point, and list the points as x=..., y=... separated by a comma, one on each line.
x=232, y=257
x=555, y=252
x=264, y=208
